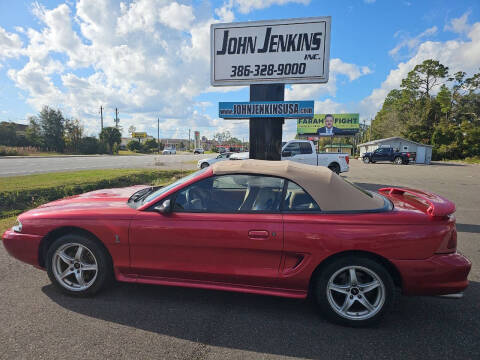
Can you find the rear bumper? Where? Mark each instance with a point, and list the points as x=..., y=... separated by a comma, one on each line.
x=23, y=247
x=437, y=275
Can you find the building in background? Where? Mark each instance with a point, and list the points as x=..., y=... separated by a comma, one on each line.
x=339, y=148
x=424, y=152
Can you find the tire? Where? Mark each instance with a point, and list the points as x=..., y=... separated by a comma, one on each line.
x=365, y=307
x=335, y=168
x=398, y=160
x=204, y=165
x=366, y=160
x=63, y=258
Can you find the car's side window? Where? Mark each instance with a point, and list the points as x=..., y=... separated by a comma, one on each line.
x=305, y=148
x=293, y=148
x=297, y=199
x=231, y=194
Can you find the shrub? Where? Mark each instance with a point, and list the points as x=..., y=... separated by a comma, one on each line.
x=134, y=145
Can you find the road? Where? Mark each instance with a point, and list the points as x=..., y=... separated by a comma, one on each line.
x=28, y=166
x=132, y=321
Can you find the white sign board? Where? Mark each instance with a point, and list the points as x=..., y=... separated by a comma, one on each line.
x=276, y=51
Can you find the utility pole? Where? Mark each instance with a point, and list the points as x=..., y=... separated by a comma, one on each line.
x=189, y=143
x=101, y=118
x=370, y=131
x=117, y=120
x=158, y=134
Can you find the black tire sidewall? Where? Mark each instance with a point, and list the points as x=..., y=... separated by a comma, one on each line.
x=104, y=271
x=320, y=288
x=335, y=168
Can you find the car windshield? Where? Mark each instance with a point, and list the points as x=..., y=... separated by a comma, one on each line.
x=164, y=189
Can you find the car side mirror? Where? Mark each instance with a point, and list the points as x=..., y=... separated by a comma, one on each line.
x=164, y=208
x=286, y=153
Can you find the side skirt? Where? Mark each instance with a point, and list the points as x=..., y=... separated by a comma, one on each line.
x=212, y=286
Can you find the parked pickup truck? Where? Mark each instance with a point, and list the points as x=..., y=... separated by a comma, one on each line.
x=303, y=151
x=388, y=154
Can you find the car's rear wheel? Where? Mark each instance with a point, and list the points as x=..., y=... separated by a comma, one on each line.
x=335, y=168
x=204, y=165
x=78, y=265
x=366, y=160
x=398, y=160
x=354, y=291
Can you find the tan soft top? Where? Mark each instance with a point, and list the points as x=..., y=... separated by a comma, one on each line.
x=329, y=190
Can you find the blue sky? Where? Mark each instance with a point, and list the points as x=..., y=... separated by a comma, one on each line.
x=151, y=57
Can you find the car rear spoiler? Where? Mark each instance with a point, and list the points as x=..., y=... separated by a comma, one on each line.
x=438, y=206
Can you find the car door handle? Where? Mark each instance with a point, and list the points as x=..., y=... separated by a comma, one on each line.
x=258, y=234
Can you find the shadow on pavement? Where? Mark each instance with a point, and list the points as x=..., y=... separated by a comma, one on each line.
x=426, y=327
x=468, y=228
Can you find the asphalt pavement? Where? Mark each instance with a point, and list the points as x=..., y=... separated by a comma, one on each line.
x=130, y=321
x=13, y=166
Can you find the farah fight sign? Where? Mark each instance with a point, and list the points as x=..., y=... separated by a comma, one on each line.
x=276, y=51
x=266, y=109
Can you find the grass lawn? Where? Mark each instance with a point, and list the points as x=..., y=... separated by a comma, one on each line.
x=39, y=181
x=6, y=224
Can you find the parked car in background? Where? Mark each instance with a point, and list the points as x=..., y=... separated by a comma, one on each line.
x=202, y=164
x=169, y=151
x=264, y=227
x=388, y=154
x=198, y=151
x=303, y=151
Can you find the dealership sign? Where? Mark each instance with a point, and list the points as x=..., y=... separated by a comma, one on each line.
x=139, y=135
x=276, y=51
x=266, y=109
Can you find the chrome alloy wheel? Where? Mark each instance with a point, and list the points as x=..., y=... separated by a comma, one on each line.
x=74, y=266
x=356, y=293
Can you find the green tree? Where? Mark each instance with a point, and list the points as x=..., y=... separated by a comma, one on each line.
x=151, y=145
x=34, y=133
x=8, y=134
x=73, y=134
x=444, y=98
x=89, y=145
x=52, y=124
x=134, y=145
x=109, y=136
x=425, y=76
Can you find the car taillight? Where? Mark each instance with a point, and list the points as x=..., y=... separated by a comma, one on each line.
x=408, y=154
x=449, y=245
x=347, y=159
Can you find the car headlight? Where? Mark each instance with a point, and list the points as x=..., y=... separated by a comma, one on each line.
x=17, y=227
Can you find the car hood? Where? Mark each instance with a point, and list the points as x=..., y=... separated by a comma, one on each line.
x=94, y=204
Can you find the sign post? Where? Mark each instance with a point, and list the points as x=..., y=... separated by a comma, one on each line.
x=267, y=55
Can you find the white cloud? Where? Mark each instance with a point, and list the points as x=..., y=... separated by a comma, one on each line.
x=459, y=25
x=10, y=44
x=411, y=43
x=313, y=91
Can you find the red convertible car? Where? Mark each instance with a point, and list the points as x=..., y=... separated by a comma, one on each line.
x=265, y=227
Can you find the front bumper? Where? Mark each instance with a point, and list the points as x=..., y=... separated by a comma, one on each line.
x=23, y=247
x=438, y=275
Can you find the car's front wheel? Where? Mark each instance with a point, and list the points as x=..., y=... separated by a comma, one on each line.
x=204, y=165
x=366, y=160
x=78, y=265
x=354, y=291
